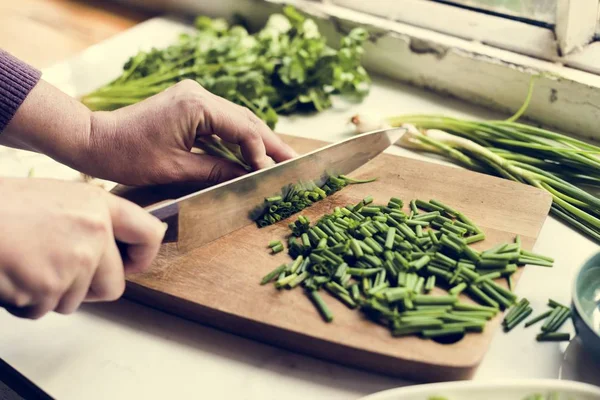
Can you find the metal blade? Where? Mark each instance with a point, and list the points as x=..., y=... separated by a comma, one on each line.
x=206, y=215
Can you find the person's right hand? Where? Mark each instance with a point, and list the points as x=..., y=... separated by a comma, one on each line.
x=58, y=247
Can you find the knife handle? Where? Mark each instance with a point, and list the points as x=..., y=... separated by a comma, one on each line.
x=169, y=215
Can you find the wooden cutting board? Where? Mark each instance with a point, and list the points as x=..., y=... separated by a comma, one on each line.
x=218, y=284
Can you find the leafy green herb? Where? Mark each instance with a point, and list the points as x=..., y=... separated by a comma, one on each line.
x=285, y=67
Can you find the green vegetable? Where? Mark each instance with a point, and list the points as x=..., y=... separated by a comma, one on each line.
x=520, y=317
x=277, y=248
x=283, y=68
x=320, y=305
x=554, y=303
x=553, y=337
x=446, y=331
x=365, y=258
x=430, y=284
x=271, y=275
x=537, y=318
x=274, y=243
x=561, y=165
x=295, y=198
x=558, y=316
x=552, y=318
x=536, y=396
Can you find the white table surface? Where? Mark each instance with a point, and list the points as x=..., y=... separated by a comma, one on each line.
x=124, y=350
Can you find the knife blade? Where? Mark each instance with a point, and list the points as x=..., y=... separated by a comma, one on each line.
x=211, y=213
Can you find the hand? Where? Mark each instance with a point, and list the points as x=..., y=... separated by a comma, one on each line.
x=150, y=142
x=146, y=143
x=58, y=248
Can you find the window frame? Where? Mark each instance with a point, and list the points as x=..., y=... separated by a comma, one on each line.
x=568, y=43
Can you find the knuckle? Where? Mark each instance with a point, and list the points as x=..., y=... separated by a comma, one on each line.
x=66, y=309
x=188, y=85
x=188, y=102
x=20, y=299
x=38, y=312
x=253, y=120
x=94, y=224
x=49, y=287
x=116, y=291
x=215, y=174
x=164, y=172
x=110, y=292
x=252, y=133
x=83, y=257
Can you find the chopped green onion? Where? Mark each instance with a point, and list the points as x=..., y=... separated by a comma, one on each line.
x=432, y=333
x=554, y=303
x=437, y=300
x=475, y=238
x=538, y=318
x=271, y=275
x=352, y=180
x=553, y=337
x=518, y=319
x=320, y=305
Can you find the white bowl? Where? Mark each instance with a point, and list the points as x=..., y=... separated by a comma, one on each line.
x=492, y=390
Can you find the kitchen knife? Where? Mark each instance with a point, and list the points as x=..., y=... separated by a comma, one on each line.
x=208, y=214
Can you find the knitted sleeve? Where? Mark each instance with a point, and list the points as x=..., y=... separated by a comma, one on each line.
x=16, y=81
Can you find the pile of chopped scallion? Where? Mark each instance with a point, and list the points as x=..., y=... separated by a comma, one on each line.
x=295, y=198
x=385, y=262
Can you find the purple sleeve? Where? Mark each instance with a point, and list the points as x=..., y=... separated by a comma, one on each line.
x=16, y=81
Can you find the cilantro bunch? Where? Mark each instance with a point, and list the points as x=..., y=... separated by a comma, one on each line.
x=284, y=68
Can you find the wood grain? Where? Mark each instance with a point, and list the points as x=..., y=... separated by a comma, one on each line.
x=217, y=284
x=41, y=32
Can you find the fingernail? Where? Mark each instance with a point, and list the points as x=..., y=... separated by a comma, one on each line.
x=164, y=227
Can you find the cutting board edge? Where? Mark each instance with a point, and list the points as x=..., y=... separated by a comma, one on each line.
x=416, y=370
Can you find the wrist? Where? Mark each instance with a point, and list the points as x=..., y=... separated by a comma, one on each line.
x=102, y=127
x=50, y=122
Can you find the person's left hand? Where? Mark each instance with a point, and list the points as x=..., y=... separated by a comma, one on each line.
x=149, y=142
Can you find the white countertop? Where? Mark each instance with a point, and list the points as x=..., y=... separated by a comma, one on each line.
x=124, y=350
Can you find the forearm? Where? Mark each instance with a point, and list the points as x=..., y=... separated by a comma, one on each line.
x=36, y=116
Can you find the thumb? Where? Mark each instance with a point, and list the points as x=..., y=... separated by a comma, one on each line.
x=209, y=169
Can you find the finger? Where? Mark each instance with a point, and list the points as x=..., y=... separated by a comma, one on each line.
x=108, y=283
x=25, y=303
x=36, y=311
x=209, y=169
x=231, y=125
x=76, y=293
x=11, y=295
x=275, y=147
x=137, y=228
